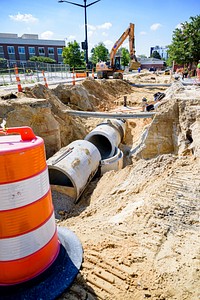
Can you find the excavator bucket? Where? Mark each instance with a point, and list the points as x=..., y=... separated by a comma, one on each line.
x=134, y=65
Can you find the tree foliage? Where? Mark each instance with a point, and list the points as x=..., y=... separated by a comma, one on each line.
x=125, y=57
x=185, y=47
x=99, y=52
x=155, y=54
x=72, y=55
x=43, y=59
x=3, y=63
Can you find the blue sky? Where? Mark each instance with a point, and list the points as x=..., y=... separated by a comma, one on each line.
x=154, y=20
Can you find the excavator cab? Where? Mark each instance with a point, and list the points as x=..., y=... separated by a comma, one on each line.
x=117, y=63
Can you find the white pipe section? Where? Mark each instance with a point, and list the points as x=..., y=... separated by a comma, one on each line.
x=113, y=163
x=107, y=137
x=74, y=166
x=94, y=114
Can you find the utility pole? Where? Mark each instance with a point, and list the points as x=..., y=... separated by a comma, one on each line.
x=85, y=6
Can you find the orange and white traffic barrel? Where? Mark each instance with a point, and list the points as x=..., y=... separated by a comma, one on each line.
x=73, y=78
x=92, y=73
x=45, y=80
x=18, y=79
x=29, y=240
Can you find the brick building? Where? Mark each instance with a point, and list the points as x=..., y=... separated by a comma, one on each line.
x=14, y=48
x=151, y=63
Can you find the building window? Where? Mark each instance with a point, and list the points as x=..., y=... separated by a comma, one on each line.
x=59, y=51
x=21, y=50
x=31, y=50
x=11, y=50
x=41, y=50
x=51, y=51
x=1, y=52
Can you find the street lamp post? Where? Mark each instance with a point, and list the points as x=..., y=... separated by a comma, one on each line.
x=85, y=10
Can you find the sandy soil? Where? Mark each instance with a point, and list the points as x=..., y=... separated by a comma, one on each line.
x=139, y=226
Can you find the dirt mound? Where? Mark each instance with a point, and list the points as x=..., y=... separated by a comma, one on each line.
x=137, y=225
x=89, y=95
x=136, y=228
x=93, y=94
x=149, y=77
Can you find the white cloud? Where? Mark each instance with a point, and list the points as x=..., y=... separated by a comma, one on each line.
x=125, y=45
x=108, y=44
x=104, y=34
x=71, y=38
x=143, y=33
x=47, y=35
x=27, y=18
x=106, y=25
x=91, y=27
x=90, y=33
x=155, y=26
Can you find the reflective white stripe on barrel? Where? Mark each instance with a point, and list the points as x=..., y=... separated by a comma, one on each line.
x=21, y=193
x=26, y=244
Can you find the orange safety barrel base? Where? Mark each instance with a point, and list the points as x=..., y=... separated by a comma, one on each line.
x=37, y=260
x=54, y=280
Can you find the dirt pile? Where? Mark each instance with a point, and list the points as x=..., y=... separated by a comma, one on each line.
x=93, y=94
x=174, y=129
x=149, y=77
x=139, y=231
x=43, y=109
x=139, y=226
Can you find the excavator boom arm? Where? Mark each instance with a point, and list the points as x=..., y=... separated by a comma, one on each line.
x=128, y=32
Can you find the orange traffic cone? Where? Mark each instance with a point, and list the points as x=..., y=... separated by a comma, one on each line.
x=73, y=78
x=32, y=249
x=45, y=80
x=18, y=79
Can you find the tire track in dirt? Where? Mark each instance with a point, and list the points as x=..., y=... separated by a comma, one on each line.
x=109, y=271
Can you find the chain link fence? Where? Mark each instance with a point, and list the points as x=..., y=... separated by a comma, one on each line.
x=31, y=72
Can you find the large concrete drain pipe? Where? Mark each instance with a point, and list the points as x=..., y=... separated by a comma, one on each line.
x=107, y=137
x=73, y=167
x=112, y=163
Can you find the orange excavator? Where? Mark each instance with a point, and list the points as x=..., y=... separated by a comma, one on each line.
x=113, y=69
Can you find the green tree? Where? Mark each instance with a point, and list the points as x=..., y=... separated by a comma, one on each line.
x=72, y=55
x=155, y=54
x=43, y=59
x=125, y=57
x=99, y=52
x=185, y=46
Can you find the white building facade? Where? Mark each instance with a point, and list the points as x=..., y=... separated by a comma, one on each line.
x=161, y=50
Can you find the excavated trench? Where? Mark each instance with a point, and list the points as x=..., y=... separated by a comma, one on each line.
x=138, y=225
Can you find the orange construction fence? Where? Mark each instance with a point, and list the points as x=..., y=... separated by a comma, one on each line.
x=81, y=75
